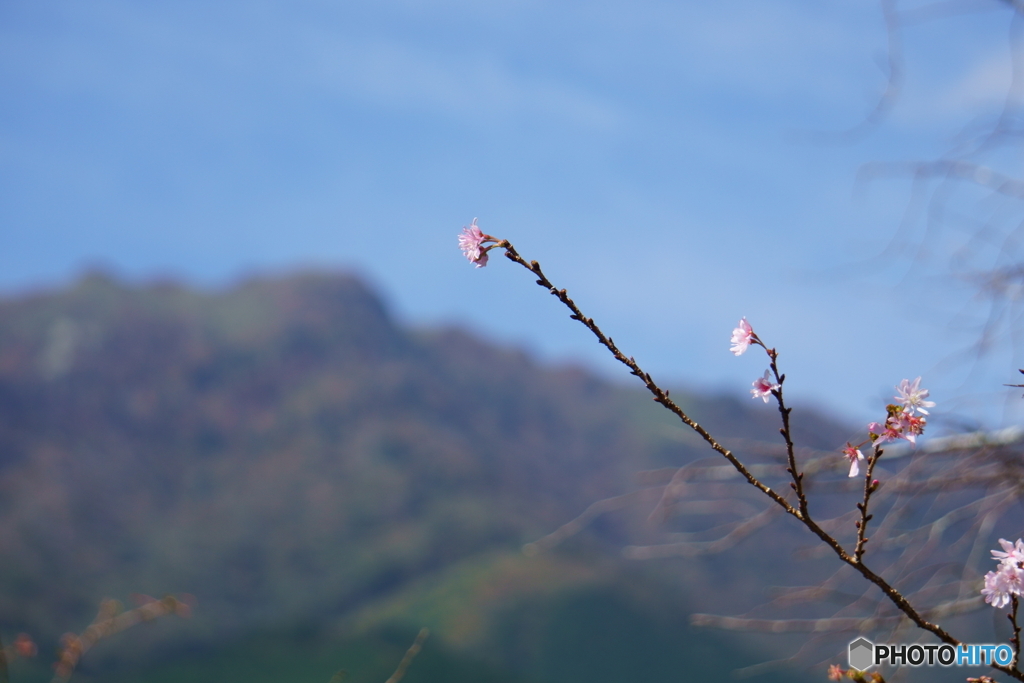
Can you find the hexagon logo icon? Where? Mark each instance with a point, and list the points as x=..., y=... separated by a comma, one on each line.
x=861, y=654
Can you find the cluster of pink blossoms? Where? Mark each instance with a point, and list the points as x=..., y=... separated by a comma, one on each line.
x=905, y=420
x=472, y=241
x=1008, y=579
x=742, y=337
x=902, y=422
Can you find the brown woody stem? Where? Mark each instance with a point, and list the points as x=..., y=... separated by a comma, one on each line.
x=862, y=525
x=1015, y=639
x=798, y=477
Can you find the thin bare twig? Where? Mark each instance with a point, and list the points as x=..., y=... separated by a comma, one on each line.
x=574, y=526
x=893, y=70
x=410, y=654
x=1015, y=639
x=787, y=435
x=869, y=488
x=108, y=621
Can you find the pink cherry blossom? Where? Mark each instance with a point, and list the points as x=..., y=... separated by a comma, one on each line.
x=471, y=241
x=742, y=337
x=890, y=431
x=913, y=397
x=763, y=387
x=910, y=425
x=1012, y=554
x=835, y=673
x=1001, y=584
x=996, y=590
x=1008, y=578
x=900, y=424
x=855, y=456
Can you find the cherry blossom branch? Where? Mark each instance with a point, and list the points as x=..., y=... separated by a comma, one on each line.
x=798, y=477
x=472, y=241
x=660, y=395
x=869, y=487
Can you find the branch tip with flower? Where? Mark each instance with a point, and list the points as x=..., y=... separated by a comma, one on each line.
x=902, y=422
x=472, y=241
x=742, y=337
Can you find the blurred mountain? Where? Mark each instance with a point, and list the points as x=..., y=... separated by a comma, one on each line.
x=297, y=460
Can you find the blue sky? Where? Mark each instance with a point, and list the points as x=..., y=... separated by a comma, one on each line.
x=657, y=158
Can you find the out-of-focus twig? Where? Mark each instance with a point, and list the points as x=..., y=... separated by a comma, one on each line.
x=893, y=70
x=410, y=654
x=110, y=620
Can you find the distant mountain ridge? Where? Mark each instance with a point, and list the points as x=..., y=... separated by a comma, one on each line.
x=285, y=450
